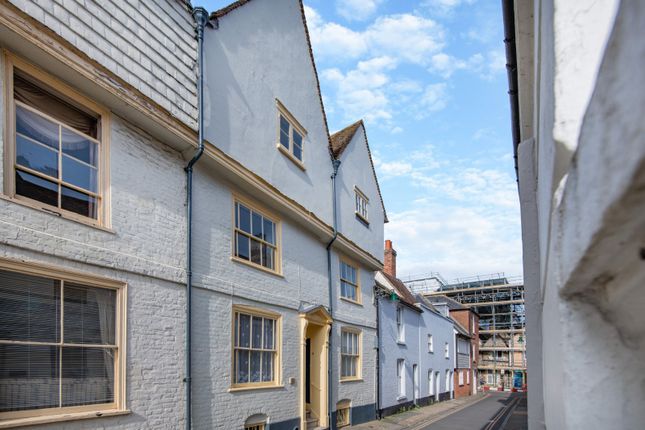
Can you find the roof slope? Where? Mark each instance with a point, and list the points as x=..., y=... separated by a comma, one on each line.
x=341, y=139
x=401, y=290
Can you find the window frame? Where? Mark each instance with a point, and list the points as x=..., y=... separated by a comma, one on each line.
x=430, y=344
x=118, y=406
x=277, y=336
x=282, y=111
x=13, y=62
x=431, y=382
x=358, y=196
x=400, y=325
x=447, y=350
x=350, y=263
x=400, y=374
x=277, y=270
x=461, y=378
x=358, y=357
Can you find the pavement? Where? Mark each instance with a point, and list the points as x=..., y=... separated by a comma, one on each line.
x=489, y=411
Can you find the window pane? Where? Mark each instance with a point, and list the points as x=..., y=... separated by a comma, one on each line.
x=343, y=342
x=297, y=139
x=267, y=256
x=28, y=377
x=29, y=308
x=245, y=219
x=89, y=315
x=284, y=139
x=297, y=152
x=267, y=366
x=256, y=359
x=242, y=246
x=256, y=334
x=245, y=327
x=256, y=251
x=343, y=289
x=80, y=203
x=257, y=225
x=242, y=367
x=79, y=174
x=36, y=127
x=87, y=376
x=37, y=157
x=269, y=231
x=79, y=147
x=36, y=188
x=268, y=333
x=284, y=124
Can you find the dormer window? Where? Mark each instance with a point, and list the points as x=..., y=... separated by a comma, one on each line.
x=361, y=205
x=291, y=136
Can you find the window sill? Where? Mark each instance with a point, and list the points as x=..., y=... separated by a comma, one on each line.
x=256, y=266
x=354, y=302
x=291, y=157
x=32, y=204
x=251, y=387
x=362, y=219
x=45, y=419
x=400, y=342
x=398, y=399
x=351, y=380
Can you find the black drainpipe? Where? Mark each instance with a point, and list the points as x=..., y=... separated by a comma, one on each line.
x=377, y=297
x=511, y=71
x=335, y=164
x=201, y=18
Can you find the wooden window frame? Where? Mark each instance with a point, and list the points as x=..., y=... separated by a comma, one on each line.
x=277, y=270
x=345, y=406
x=358, y=357
x=277, y=335
x=400, y=325
x=103, y=218
x=282, y=111
x=118, y=406
x=359, y=195
x=350, y=263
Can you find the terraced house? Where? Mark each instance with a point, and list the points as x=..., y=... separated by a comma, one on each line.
x=132, y=182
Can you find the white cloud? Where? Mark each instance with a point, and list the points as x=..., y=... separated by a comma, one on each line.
x=433, y=99
x=357, y=10
x=444, y=7
x=406, y=37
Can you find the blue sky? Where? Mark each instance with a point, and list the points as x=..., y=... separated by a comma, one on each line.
x=428, y=77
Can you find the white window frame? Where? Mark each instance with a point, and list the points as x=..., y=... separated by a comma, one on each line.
x=468, y=377
x=430, y=344
x=461, y=378
x=400, y=374
x=52, y=84
x=118, y=406
x=447, y=350
x=400, y=324
x=430, y=382
x=361, y=205
x=294, y=125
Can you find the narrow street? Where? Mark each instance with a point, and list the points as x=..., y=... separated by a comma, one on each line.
x=499, y=410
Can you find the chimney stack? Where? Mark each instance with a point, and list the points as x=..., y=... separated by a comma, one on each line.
x=389, y=259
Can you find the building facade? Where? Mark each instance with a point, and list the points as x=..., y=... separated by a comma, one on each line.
x=577, y=104
x=101, y=117
x=416, y=345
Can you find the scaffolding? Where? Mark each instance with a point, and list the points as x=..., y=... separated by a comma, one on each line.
x=499, y=301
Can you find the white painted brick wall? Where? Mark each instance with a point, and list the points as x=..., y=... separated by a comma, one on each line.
x=149, y=44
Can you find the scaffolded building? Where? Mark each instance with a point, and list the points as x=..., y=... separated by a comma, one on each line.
x=499, y=301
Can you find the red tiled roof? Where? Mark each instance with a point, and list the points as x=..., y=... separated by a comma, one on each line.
x=401, y=290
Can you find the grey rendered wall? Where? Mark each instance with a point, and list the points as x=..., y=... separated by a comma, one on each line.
x=441, y=330
x=391, y=351
x=258, y=54
x=145, y=249
x=149, y=44
x=356, y=171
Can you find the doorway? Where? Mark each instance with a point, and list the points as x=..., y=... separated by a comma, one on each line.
x=415, y=380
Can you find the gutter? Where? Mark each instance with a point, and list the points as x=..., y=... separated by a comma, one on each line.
x=508, y=11
x=201, y=18
x=335, y=164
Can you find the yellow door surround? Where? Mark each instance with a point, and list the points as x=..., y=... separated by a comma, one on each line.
x=315, y=324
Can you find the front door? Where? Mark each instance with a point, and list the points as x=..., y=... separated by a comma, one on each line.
x=437, y=382
x=308, y=371
x=415, y=375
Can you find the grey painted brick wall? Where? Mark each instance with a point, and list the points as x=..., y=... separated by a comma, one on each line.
x=149, y=44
